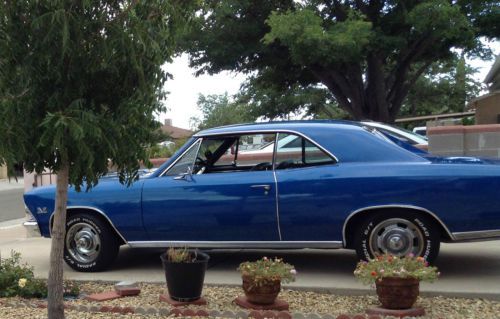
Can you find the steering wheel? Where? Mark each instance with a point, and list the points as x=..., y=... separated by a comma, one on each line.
x=262, y=166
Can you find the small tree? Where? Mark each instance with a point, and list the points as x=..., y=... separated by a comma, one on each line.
x=80, y=82
x=218, y=110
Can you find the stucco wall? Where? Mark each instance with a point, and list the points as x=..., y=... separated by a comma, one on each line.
x=487, y=108
x=3, y=171
x=459, y=140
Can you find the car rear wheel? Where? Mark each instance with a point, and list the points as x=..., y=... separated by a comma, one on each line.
x=90, y=244
x=398, y=234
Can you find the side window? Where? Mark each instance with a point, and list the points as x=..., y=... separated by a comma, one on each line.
x=255, y=149
x=219, y=154
x=186, y=161
x=295, y=151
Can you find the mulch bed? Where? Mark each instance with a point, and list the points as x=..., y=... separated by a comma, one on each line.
x=303, y=304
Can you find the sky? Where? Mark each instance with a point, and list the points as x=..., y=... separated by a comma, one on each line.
x=185, y=87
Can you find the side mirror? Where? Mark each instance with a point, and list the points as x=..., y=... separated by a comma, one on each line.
x=188, y=173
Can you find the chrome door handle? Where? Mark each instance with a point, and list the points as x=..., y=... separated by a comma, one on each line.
x=265, y=187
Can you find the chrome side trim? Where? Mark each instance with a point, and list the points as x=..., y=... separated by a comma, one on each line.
x=272, y=131
x=477, y=235
x=360, y=210
x=198, y=141
x=97, y=210
x=276, y=136
x=237, y=244
x=277, y=205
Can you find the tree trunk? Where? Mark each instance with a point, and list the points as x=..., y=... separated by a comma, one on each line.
x=55, y=282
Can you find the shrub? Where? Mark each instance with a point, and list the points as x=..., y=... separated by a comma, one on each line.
x=392, y=266
x=266, y=270
x=18, y=279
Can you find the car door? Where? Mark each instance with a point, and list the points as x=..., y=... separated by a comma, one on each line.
x=308, y=185
x=206, y=199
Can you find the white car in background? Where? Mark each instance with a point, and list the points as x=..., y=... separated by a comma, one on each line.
x=401, y=134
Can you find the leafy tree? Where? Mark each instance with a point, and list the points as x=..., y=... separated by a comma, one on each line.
x=444, y=88
x=80, y=82
x=367, y=53
x=218, y=110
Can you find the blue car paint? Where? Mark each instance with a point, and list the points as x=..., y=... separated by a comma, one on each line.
x=313, y=202
x=211, y=207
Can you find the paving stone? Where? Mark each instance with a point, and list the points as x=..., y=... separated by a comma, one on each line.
x=313, y=316
x=126, y=310
x=241, y=314
x=256, y=314
x=279, y=304
x=83, y=308
x=174, y=303
x=103, y=296
x=215, y=313
x=343, y=316
x=164, y=311
x=227, y=314
x=124, y=292
x=398, y=313
x=298, y=315
x=328, y=316
x=176, y=312
x=151, y=311
x=189, y=312
x=283, y=315
x=140, y=310
x=106, y=309
x=202, y=313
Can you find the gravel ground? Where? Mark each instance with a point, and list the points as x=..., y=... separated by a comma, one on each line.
x=220, y=298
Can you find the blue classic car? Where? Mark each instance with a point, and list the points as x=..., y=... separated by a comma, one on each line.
x=310, y=184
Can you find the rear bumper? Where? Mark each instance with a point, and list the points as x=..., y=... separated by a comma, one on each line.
x=32, y=228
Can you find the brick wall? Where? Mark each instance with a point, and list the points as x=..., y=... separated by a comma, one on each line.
x=459, y=140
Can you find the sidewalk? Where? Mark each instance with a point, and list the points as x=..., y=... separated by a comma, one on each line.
x=6, y=184
x=468, y=269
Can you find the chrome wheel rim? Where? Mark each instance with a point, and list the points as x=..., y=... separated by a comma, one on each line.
x=398, y=237
x=83, y=242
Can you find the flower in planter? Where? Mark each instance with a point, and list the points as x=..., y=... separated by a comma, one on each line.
x=22, y=282
x=386, y=266
x=267, y=270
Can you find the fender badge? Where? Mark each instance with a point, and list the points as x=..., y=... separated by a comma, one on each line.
x=41, y=210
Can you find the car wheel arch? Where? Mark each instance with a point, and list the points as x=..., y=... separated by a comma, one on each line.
x=356, y=218
x=93, y=211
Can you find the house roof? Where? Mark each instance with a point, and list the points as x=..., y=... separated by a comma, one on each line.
x=176, y=132
x=493, y=76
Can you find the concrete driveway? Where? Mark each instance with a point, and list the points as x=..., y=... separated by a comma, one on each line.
x=468, y=270
x=11, y=199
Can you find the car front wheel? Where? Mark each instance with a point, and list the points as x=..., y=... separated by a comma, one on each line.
x=90, y=244
x=398, y=234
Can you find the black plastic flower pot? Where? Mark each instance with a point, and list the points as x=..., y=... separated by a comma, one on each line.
x=185, y=280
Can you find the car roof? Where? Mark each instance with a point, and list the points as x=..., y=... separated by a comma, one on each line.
x=300, y=126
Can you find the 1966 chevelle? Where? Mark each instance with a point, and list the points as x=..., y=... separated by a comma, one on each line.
x=309, y=184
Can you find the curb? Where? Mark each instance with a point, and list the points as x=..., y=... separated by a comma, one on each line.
x=177, y=312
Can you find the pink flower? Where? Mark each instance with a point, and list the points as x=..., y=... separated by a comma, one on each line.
x=293, y=272
x=411, y=255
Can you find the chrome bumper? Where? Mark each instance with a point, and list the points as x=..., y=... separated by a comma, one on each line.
x=32, y=228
